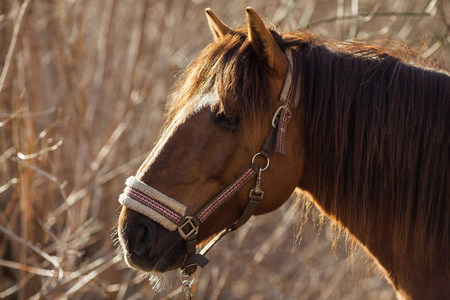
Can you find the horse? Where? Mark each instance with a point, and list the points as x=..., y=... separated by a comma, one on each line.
x=362, y=129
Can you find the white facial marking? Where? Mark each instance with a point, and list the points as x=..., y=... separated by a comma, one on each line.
x=205, y=100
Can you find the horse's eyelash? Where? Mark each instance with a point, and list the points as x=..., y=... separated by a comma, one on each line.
x=228, y=122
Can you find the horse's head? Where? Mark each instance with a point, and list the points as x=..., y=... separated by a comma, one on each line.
x=219, y=118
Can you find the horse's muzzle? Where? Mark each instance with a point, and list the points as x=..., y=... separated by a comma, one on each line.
x=148, y=246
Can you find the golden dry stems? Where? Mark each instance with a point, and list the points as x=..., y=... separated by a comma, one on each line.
x=82, y=92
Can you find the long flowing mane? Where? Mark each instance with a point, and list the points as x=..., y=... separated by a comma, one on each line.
x=378, y=135
x=377, y=126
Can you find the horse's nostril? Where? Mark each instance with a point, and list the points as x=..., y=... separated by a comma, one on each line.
x=141, y=237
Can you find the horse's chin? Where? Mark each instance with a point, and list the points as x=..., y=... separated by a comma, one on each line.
x=159, y=281
x=168, y=261
x=162, y=266
x=147, y=246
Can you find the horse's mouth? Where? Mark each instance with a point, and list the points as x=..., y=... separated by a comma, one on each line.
x=168, y=260
x=147, y=246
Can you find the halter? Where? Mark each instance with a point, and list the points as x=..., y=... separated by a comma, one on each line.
x=171, y=214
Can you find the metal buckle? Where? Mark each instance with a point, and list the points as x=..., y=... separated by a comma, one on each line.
x=256, y=191
x=193, y=230
x=276, y=116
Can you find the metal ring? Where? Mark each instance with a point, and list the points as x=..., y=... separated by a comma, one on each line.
x=267, y=161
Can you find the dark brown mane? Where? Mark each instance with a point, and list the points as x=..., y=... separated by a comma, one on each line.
x=378, y=132
x=377, y=129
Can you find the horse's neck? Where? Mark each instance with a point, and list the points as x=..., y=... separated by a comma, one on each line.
x=346, y=199
x=423, y=285
x=409, y=277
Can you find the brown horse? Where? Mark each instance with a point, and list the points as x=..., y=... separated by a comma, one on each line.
x=362, y=130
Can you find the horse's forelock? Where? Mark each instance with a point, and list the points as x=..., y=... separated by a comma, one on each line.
x=230, y=67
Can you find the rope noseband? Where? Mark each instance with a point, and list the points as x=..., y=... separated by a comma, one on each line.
x=171, y=214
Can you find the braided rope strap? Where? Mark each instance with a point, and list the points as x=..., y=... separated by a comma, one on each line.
x=227, y=192
x=287, y=97
x=142, y=198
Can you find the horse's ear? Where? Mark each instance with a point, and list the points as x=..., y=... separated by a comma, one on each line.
x=218, y=28
x=264, y=44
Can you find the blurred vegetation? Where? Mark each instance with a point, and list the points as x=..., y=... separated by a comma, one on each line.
x=82, y=92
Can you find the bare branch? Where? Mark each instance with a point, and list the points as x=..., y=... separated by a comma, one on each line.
x=12, y=45
x=106, y=264
x=7, y=185
x=26, y=268
x=51, y=259
x=40, y=152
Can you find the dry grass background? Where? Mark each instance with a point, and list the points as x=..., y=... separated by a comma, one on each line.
x=82, y=92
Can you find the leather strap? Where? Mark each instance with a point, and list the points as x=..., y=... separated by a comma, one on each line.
x=288, y=99
x=251, y=207
x=269, y=143
x=227, y=192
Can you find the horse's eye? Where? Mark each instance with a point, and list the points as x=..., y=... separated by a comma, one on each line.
x=228, y=122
